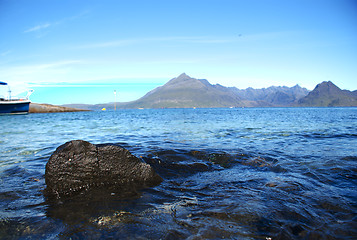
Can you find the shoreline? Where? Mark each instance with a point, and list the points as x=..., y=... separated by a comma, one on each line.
x=48, y=108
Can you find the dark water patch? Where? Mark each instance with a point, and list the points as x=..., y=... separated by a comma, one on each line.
x=15, y=171
x=171, y=163
x=29, y=228
x=345, y=173
x=222, y=159
x=75, y=209
x=353, y=159
x=176, y=162
x=327, y=135
x=9, y=196
x=20, y=188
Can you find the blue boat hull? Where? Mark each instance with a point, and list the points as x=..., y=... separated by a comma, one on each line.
x=14, y=107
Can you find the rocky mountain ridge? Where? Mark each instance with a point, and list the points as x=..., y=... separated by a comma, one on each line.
x=327, y=94
x=186, y=92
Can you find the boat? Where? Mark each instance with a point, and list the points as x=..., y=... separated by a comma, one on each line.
x=14, y=105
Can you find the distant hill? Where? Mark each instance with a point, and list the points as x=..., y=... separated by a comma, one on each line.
x=327, y=94
x=273, y=96
x=186, y=92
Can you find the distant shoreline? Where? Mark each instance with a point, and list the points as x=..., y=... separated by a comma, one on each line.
x=48, y=108
x=99, y=107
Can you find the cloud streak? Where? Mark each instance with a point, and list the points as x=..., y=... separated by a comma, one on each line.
x=192, y=39
x=51, y=24
x=38, y=28
x=182, y=39
x=46, y=66
x=21, y=75
x=3, y=54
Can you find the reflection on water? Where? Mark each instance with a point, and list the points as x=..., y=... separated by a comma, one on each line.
x=228, y=173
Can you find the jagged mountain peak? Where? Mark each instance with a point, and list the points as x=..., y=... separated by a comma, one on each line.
x=183, y=76
x=185, y=81
x=327, y=94
x=327, y=85
x=297, y=86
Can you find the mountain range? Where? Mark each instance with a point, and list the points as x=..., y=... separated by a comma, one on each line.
x=186, y=92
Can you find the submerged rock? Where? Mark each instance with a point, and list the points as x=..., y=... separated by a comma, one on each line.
x=79, y=165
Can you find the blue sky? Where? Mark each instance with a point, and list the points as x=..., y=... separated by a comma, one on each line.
x=81, y=51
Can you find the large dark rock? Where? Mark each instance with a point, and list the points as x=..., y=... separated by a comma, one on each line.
x=79, y=165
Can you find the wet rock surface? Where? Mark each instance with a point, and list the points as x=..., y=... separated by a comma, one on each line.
x=78, y=166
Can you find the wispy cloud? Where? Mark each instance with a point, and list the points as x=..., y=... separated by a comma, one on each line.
x=99, y=83
x=56, y=64
x=116, y=43
x=46, y=25
x=37, y=72
x=45, y=66
x=38, y=27
x=182, y=39
x=3, y=54
x=81, y=14
x=190, y=39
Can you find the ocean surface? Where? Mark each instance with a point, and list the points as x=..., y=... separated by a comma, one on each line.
x=250, y=173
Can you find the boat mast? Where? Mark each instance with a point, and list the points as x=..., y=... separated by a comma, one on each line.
x=9, y=91
x=115, y=100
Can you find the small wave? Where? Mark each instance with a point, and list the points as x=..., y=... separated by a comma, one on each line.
x=328, y=135
x=28, y=152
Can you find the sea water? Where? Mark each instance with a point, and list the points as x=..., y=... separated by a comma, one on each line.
x=252, y=173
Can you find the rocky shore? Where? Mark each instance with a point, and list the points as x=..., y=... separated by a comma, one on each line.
x=48, y=108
